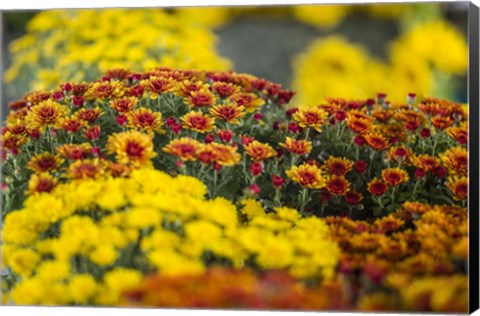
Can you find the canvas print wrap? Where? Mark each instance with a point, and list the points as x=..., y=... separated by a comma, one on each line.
x=171, y=157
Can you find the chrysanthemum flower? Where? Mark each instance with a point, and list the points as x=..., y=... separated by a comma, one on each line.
x=74, y=151
x=353, y=197
x=45, y=162
x=86, y=168
x=13, y=141
x=145, y=119
x=399, y=153
x=460, y=134
x=394, y=176
x=441, y=123
x=410, y=116
x=228, y=112
x=377, y=187
x=105, y=90
x=296, y=146
x=249, y=101
x=70, y=124
x=358, y=125
x=186, y=87
x=93, y=133
x=259, y=151
x=382, y=115
x=42, y=182
x=184, y=148
x=201, y=98
x=459, y=187
x=455, y=160
x=46, y=114
x=376, y=141
x=338, y=166
x=337, y=185
x=158, y=85
x=313, y=117
x=198, y=122
x=307, y=175
x=225, y=155
x=124, y=105
x=224, y=89
x=425, y=162
x=88, y=115
x=131, y=148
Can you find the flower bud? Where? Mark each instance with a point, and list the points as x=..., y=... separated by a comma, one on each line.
x=121, y=119
x=293, y=127
x=176, y=128
x=277, y=181
x=256, y=168
x=225, y=135
x=209, y=138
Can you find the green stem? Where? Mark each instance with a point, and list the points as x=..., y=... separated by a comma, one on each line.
x=303, y=200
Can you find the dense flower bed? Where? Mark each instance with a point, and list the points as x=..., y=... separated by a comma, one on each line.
x=181, y=171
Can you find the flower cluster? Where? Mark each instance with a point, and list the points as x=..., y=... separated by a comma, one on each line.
x=80, y=45
x=243, y=289
x=89, y=240
x=414, y=64
x=189, y=122
x=358, y=203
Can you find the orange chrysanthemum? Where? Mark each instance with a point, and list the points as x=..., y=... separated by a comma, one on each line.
x=42, y=182
x=377, y=141
x=105, y=90
x=198, y=122
x=382, y=115
x=46, y=114
x=456, y=161
x=337, y=185
x=186, y=87
x=45, y=162
x=74, y=151
x=307, y=176
x=184, y=148
x=394, y=176
x=85, y=169
x=399, y=153
x=145, y=119
x=377, y=187
x=249, y=101
x=158, y=85
x=338, y=166
x=425, y=162
x=410, y=116
x=224, y=155
x=259, y=151
x=70, y=124
x=118, y=169
x=460, y=134
x=124, y=105
x=228, y=112
x=459, y=187
x=13, y=141
x=89, y=115
x=201, y=98
x=224, y=89
x=313, y=117
x=359, y=125
x=441, y=122
x=297, y=146
x=131, y=148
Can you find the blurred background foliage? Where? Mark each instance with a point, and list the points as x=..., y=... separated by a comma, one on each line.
x=353, y=51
